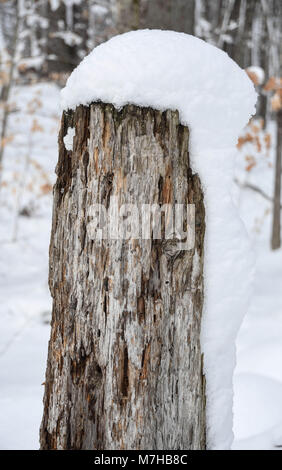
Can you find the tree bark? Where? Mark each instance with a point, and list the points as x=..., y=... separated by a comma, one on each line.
x=124, y=364
x=6, y=88
x=276, y=223
x=175, y=15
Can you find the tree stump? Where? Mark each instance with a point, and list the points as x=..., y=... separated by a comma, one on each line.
x=125, y=368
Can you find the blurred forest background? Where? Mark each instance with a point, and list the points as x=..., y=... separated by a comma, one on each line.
x=41, y=41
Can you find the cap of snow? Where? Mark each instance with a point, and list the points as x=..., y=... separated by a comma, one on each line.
x=168, y=70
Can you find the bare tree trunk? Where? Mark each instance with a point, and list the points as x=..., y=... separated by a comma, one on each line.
x=176, y=15
x=276, y=225
x=5, y=92
x=124, y=365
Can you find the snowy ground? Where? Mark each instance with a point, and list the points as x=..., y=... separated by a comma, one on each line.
x=25, y=302
x=258, y=375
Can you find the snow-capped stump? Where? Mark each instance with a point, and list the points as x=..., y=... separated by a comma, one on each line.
x=156, y=115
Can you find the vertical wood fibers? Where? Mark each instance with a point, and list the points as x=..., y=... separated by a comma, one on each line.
x=124, y=364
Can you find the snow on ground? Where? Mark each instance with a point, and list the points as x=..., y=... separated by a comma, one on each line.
x=25, y=302
x=22, y=368
x=258, y=375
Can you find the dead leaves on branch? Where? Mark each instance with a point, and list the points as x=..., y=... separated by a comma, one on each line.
x=273, y=87
x=276, y=100
x=34, y=105
x=254, y=77
x=273, y=84
x=6, y=140
x=36, y=126
x=256, y=141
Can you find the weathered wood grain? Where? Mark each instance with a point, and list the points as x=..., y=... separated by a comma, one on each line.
x=124, y=364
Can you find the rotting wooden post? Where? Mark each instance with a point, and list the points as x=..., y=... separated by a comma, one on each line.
x=124, y=364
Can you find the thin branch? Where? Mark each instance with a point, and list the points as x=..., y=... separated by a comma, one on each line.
x=255, y=189
x=225, y=22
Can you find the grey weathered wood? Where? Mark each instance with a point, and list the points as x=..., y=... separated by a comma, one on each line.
x=124, y=364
